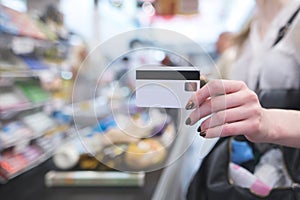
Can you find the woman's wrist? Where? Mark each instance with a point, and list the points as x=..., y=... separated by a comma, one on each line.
x=267, y=130
x=280, y=127
x=261, y=132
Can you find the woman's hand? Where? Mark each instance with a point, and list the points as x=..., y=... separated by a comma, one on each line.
x=234, y=107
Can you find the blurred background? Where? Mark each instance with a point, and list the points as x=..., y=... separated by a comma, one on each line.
x=58, y=138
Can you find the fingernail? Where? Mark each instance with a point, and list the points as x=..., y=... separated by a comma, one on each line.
x=199, y=129
x=188, y=121
x=202, y=133
x=219, y=94
x=189, y=105
x=203, y=81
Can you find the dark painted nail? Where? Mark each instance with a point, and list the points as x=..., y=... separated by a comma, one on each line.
x=190, y=105
x=199, y=129
x=188, y=121
x=202, y=133
x=203, y=81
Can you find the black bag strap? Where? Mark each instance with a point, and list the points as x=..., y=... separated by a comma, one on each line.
x=283, y=30
x=281, y=33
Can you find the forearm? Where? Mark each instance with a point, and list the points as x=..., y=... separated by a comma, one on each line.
x=281, y=127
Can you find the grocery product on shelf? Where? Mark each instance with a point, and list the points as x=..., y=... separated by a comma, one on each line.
x=10, y=62
x=35, y=67
x=34, y=63
x=23, y=148
x=12, y=98
x=15, y=133
x=18, y=23
x=44, y=122
x=33, y=91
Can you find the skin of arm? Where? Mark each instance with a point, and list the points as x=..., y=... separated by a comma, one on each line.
x=234, y=109
x=283, y=126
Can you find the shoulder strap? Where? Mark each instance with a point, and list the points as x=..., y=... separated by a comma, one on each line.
x=281, y=33
x=283, y=30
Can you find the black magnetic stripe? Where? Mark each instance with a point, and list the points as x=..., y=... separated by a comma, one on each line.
x=167, y=75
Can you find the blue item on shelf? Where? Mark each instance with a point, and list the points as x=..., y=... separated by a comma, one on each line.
x=62, y=117
x=6, y=24
x=105, y=124
x=34, y=63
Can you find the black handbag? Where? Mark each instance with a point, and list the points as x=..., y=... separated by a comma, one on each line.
x=212, y=181
x=279, y=98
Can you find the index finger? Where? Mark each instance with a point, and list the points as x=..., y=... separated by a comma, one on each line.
x=214, y=88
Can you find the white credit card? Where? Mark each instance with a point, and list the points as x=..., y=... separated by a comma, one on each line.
x=166, y=87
